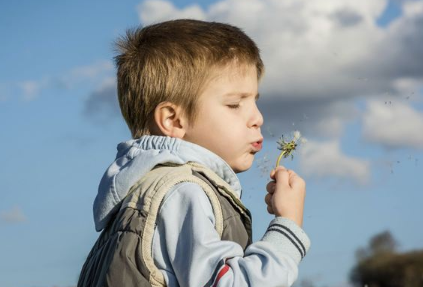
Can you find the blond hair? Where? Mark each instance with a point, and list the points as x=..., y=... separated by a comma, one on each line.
x=172, y=61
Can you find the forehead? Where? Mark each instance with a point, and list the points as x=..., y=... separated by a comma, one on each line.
x=232, y=80
x=233, y=70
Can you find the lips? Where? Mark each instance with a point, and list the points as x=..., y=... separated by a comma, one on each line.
x=257, y=145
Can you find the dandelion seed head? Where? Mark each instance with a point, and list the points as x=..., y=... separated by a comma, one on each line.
x=288, y=147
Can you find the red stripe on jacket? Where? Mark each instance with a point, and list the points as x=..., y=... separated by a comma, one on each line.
x=222, y=272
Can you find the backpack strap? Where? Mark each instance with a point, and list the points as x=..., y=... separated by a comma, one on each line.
x=147, y=196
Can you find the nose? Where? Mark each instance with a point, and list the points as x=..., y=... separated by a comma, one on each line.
x=256, y=119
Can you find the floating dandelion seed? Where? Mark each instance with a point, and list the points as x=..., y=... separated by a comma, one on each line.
x=391, y=167
x=263, y=165
x=288, y=147
x=297, y=136
x=305, y=117
x=270, y=132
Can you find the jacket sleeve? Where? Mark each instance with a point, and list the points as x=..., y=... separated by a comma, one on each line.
x=189, y=252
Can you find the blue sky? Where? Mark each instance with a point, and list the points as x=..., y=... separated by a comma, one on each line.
x=346, y=74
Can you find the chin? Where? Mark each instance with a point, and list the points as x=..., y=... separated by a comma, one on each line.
x=239, y=169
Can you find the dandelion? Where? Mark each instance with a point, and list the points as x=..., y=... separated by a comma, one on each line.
x=288, y=147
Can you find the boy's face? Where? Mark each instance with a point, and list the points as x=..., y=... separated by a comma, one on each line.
x=228, y=121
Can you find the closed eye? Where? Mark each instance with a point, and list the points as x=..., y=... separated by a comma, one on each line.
x=234, y=106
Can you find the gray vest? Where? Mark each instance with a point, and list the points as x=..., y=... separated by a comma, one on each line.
x=122, y=255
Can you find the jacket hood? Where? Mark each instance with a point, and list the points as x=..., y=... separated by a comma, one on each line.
x=137, y=157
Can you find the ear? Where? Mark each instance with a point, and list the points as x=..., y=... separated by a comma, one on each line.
x=169, y=120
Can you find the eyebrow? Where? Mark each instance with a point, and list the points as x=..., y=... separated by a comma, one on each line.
x=243, y=95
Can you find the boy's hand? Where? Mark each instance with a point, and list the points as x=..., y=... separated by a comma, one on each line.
x=286, y=195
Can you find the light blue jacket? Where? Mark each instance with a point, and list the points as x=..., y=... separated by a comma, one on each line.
x=186, y=247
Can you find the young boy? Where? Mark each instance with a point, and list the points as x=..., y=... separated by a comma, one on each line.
x=169, y=205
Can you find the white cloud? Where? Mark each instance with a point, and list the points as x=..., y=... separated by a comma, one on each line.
x=14, y=215
x=314, y=118
x=330, y=126
x=151, y=11
x=407, y=87
x=94, y=72
x=91, y=71
x=414, y=8
x=393, y=125
x=102, y=104
x=298, y=39
x=107, y=83
x=31, y=89
x=325, y=159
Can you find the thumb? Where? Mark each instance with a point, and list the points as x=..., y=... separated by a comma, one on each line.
x=281, y=176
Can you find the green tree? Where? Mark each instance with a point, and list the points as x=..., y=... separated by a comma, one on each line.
x=380, y=265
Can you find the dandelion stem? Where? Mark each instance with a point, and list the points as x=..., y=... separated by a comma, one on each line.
x=280, y=157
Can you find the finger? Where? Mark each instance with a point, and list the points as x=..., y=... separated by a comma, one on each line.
x=291, y=172
x=270, y=209
x=297, y=182
x=292, y=177
x=270, y=187
x=282, y=177
x=268, y=199
x=273, y=172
